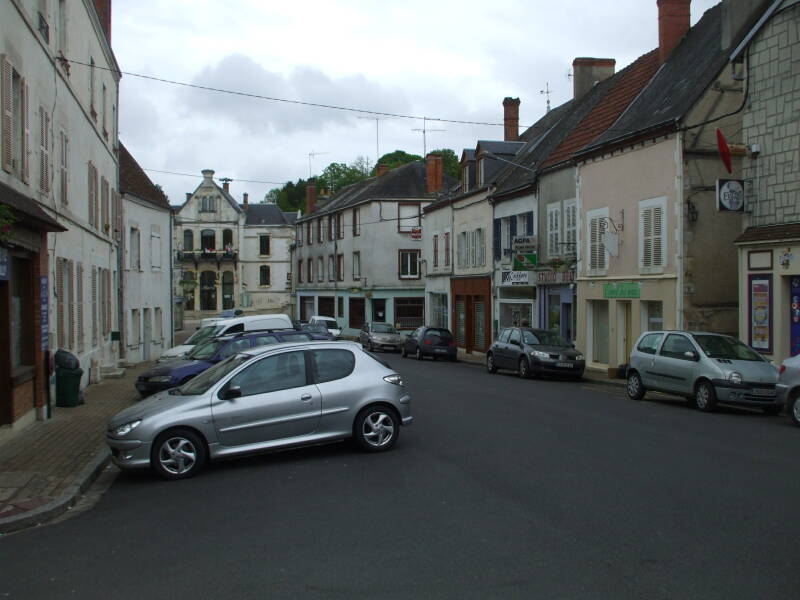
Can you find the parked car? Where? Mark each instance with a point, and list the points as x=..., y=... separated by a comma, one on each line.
x=534, y=352
x=329, y=322
x=225, y=314
x=436, y=342
x=179, y=371
x=379, y=336
x=263, y=399
x=318, y=330
x=788, y=387
x=706, y=368
x=222, y=327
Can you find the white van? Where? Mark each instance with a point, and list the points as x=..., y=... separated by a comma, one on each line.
x=330, y=324
x=235, y=325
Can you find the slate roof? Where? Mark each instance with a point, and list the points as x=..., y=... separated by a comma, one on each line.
x=133, y=180
x=403, y=182
x=769, y=233
x=690, y=68
x=264, y=214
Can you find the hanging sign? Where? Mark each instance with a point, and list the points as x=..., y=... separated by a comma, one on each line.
x=515, y=278
x=730, y=195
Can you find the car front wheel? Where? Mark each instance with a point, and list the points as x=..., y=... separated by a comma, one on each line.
x=794, y=408
x=490, y=368
x=177, y=454
x=635, y=388
x=705, y=398
x=418, y=355
x=524, y=368
x=376, y=428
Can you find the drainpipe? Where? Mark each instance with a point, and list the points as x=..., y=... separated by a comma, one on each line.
x=171, y=288
x=679, y=304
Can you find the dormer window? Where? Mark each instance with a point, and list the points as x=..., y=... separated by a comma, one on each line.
x=481, y=163
x=465, y=179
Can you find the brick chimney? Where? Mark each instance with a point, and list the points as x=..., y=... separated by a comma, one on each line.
x=673, y=23
x=586, y=72
x=381, y=169
x=188, y=196
x=245, y=198
x=226, y=185
x=511, y=119
x=311, y=196
x=103, y=8
x=433, y=173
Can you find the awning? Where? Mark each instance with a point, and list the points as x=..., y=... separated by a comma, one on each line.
x=27, y=211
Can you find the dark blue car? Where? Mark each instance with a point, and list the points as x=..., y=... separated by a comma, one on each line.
x=177, y=372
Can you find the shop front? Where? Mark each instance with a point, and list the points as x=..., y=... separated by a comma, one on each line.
x=516, y=300
x=556, y=290
x=472, y=312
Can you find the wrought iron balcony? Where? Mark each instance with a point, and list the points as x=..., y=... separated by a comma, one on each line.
x=217, y=255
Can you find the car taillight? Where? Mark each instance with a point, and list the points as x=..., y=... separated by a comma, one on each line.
x=427, y=342
x=781, y=369
x=452, y=343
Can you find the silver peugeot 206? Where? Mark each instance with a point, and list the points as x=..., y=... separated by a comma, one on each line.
x=262, y=399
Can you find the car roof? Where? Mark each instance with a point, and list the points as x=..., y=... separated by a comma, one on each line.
x=309, y=344
x=688, y=332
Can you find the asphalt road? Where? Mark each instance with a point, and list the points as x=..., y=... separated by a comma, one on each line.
x=502, y=488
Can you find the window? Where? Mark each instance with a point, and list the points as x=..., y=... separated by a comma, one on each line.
x=63, y=147
x=652, y=235
x=320, y=268
x=570, y=245
x=263, y=245
x=340, y=226
x=208, y=204
x=514, y=337
x=597, y=223
x=409, y=313
x=91, y=88
x=653, y=315
x=319, y=230
x=331, y=267
x=299, y=235
x=265, y=340
x=649, y=343
x=479, y=247
x=94, y=197
x=104, y=109
x=408, y=217
x=44, y=150
x=554, y=229
x=330, y=228
x=504, y=335
x=332, y=364
x=340, y=267
x=435, y=251
x=446, y=248
x=462, y=250
x=14, y=104
x=263, y=275
x=340, y=306
x=675, y=346
x=271, y=374
x=481, y=171
x=104, y=205
x=356, y=221
x=300, y=271
x=208, y=240
x=235, y=347
x=465, y=179
x=309, y=233
x=409, y=264
x=188, y=240
x=310, y=270
x=155, y=246
x=158, y=325
x=356, y=265
x=136, y=258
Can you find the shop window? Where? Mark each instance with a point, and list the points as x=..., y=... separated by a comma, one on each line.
x=22, y=330
x=409, y=313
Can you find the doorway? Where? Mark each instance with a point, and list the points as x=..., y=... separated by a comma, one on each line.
x=147, y=334
x=227, y=290
x=379, y=310
x=325, y=306
x=208, y=290
x=624, y=331
x=356, y=313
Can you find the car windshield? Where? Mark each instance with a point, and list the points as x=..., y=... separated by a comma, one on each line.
x=383, y=328
x=544, y=338
x=205, y=350
x=203, y=334
x=202, y=383
x=719, y=346
x=314, y=328
x=328, y=324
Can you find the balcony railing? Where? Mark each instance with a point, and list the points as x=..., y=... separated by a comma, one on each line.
x=218, y=255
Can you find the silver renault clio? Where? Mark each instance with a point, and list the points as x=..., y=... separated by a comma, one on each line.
x=262, y=399
x=705, y=367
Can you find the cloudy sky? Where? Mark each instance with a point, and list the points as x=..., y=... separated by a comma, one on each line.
x=438, y=59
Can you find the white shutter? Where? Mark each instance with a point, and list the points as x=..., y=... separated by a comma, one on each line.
x=60, y=302
x=647, y=237
x=570, y=227
x=26, y=134
x=44, y=150
x=482, y=247
x=553, y=230
x=79, y=301
x=7, y=103
x=94, y=306
x=63, y=147
x=597, y=250
x=658, y=234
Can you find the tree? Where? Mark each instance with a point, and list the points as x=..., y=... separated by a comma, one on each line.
x=450, y=163
x=397, y=158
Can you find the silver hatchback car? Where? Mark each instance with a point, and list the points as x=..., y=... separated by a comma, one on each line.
x=789, y=386
x=704, y=367
x=262, y=399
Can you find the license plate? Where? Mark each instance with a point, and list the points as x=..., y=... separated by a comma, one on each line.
x=564, y=365
x=440, y=350
x=758, y=392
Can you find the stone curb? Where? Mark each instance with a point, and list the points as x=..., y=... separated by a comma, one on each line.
x=64, y=502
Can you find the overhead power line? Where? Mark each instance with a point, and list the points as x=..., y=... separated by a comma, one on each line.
x=286, y=100
x=231, y=178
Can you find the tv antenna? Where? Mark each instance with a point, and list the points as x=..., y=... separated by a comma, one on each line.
x=311, y=155
x=547, y=91
x=425, y=131
x=377, y=120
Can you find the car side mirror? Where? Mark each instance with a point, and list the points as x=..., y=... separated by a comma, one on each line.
x=232, y=392
x=692, y=355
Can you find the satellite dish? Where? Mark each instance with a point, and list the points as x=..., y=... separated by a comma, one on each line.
x=611, y=243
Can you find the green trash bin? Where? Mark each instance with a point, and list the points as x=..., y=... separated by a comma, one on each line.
x=68, y=386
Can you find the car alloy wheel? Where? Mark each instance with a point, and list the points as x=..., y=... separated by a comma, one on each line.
x=635, y=388
x=704, y=397
x=178, y=454
x=490, y=364
x=419, y=353
x=524, y=368
x=376, y=428
x=794, y=408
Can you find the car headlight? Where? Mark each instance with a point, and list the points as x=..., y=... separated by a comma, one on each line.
x=579, y=357
x=160, y=379
x=127, y=427
x=540, y=354
x=735, y=377
x=394, y=379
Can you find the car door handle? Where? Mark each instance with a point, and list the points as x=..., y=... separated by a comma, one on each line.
x=305, y=397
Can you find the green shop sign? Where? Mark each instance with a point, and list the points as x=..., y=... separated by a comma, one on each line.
x=621, y=290
x=525, y=261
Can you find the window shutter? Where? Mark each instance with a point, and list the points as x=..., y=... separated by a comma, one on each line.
x=601, y=247
x=497, y=238
x=94, y=306
x=529, y=223
x=26, y=133
x=63, y=146
x=60, y=303
x=104, y=205
x=482, y=249
x=91, y=202
x=108, y=301
x=71, y=304
x=8, y=114
x=96, y=197
x=79, y=302
x=512, y=229
x=658, y=219
x=44, y=150
x=597, y=259
x=647, y=237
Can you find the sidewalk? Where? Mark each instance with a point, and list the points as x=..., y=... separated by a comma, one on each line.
x=589, y=376
x=45, y=468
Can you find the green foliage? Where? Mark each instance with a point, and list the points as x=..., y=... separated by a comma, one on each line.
x=450, y=163
x=398, y=158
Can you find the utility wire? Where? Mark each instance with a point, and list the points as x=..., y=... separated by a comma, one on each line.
x=286, y=100
x=232, y=178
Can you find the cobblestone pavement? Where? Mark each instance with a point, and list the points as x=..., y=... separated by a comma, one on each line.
x=39, y=464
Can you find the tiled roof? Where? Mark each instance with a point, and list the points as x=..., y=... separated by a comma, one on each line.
x=133, y=180
x=264, y=214
x=405, y=181
x=290, y=217
x=690, y=68
x=625, y=86
x=767, y=233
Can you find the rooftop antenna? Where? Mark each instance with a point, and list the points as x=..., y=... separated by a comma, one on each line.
x=225, y=179
x=425, y=131
x=547, y=91
x=311, y=155
x=377, y=120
